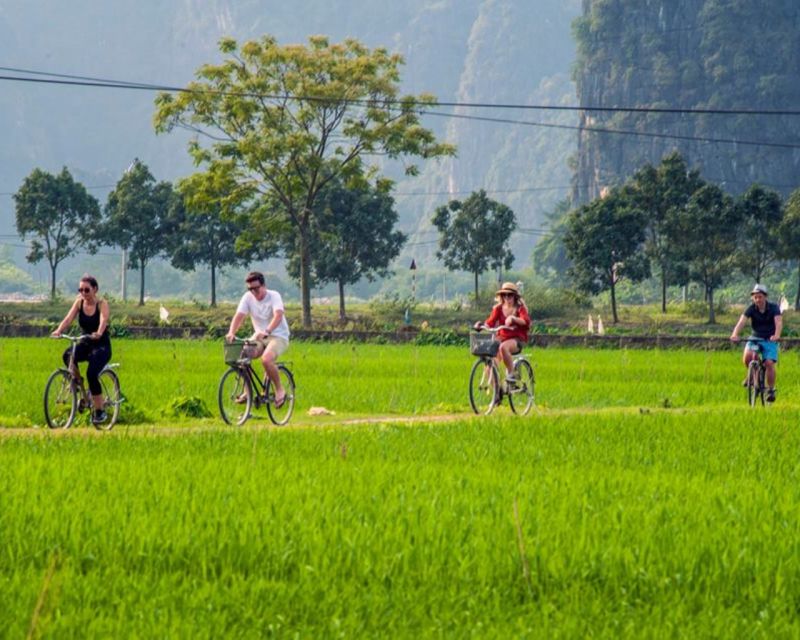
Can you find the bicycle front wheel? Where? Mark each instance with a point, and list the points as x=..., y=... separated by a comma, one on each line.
x=60, y=400
x=280, y=414
x=484, y=386
x=235, y=397
x=754, y=389
x=520, y=397
x=111, y=399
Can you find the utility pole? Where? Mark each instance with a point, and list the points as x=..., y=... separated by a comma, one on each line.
x=124, y=277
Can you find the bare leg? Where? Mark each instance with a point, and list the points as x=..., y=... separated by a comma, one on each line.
x=271, y=369
x=769, y=365
x=507, y=349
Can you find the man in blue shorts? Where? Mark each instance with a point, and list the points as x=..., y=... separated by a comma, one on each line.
x=767, y=324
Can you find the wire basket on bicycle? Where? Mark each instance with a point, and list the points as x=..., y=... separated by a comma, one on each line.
x=235, y=353
x=483, y=344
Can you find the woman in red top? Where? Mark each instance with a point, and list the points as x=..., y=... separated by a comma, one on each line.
x=511, y=314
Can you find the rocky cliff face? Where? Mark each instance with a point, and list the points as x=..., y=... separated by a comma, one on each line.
x=713, y=54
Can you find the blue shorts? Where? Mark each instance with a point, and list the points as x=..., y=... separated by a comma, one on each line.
x=769, y=350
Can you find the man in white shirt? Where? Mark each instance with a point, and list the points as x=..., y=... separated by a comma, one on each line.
x=271, y=331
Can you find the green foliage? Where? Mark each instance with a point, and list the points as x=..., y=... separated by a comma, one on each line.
x=353, y=237
x=761, y=212
x=59, y=215
x=284, y=120
x=708, y=228
x=443, y=338
x=604, y=240
x=186, y=407
x=474, y=235
x=136, y=215
x=201, y=233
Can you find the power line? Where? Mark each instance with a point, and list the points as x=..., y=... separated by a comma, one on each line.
x=89, y=81
x=779, y=145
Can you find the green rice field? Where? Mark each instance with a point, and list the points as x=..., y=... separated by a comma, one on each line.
x=640, y=498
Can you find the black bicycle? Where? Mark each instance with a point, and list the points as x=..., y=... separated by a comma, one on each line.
x=65, y=395
x=485, y=389
x=241, y=389
x=756, y=376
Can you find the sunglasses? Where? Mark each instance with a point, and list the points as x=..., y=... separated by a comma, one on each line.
x=84, y=290
x=254, y=287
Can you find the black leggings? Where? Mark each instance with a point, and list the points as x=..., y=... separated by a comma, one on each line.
x=97, y=356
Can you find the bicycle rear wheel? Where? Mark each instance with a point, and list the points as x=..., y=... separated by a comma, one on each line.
x=484, y=386
x=280, y=415
x=235, y=397
x=60, y=400
x=754, y=387
x=111, y=399
x=521, y=396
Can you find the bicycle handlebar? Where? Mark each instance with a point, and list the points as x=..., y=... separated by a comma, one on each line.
x=243, y=341
x=83, y=336
x=486, y=327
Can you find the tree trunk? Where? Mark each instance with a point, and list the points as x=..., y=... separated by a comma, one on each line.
x=797, y=298
x=305, y=283
x=712, y=319
x=342, y=315
x=213, y=285
x=53, y=281
x=475, y=274
x=614, y=302
x=663, y=291
x=141, y=283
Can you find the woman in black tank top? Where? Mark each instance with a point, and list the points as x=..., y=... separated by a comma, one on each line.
x=92, y=314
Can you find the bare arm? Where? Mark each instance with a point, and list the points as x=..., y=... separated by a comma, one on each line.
x=236, y=322
x=778, y=329
x=738, y=328
x=276, y=320
x=73, y=311
x=104, y=314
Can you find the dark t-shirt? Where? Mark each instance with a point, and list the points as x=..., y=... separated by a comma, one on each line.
x=763, y=323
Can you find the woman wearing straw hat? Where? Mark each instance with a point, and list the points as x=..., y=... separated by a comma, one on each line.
x=511, y=314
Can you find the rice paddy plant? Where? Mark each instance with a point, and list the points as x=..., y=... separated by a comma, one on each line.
x=614, y=523
x=365, y=380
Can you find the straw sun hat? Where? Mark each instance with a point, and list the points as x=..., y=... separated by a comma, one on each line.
x=508, y=287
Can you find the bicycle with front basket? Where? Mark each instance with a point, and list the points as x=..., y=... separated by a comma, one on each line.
x=486, y=391
x=241, y=389
x=65, y=394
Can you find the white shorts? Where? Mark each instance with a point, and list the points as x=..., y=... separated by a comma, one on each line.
x=273, y=344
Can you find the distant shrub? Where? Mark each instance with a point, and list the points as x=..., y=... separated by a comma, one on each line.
x=186, y=407
x=444, y=338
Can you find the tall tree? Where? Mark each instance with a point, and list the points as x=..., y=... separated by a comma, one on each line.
x=136, y=218
x=354, y=237
x=789, y=237
x=549, y=256
x=761, y=211
x=474, y=235
x=656, y=192
x=707, y=229
x=199, y=233
x=60, y=215
x=282, y=121
x=604, y=240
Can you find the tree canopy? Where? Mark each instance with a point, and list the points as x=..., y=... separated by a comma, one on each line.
x=136, y=217
x=474, y=235
x=354, y=237
x=605, y=242
x=281, y=121
x=60, y=215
